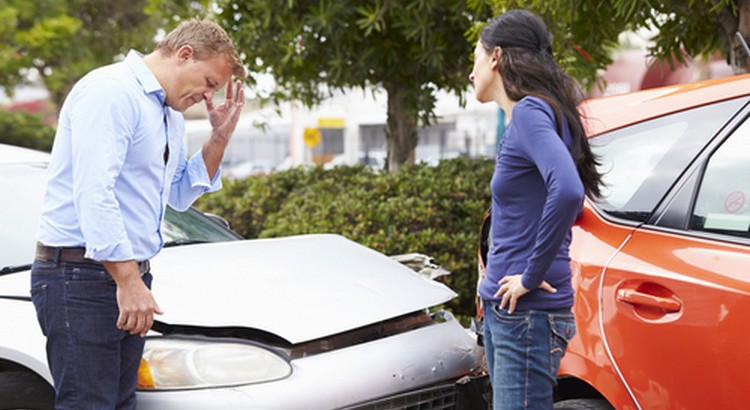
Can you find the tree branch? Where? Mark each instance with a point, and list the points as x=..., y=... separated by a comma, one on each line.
x=726, y=23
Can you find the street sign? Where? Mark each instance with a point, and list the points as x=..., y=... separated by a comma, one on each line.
x=311, y=136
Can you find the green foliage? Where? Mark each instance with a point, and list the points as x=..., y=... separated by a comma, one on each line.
x=343, y=44
x=585, y=31
x=686, y=27
x=25, y=130
x=431, y=210
x=64, y=39
x=411, y=48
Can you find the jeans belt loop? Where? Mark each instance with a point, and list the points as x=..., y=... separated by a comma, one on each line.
x=56, y=260
x=144, y=267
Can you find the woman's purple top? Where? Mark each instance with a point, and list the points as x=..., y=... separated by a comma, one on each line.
x=536, y=196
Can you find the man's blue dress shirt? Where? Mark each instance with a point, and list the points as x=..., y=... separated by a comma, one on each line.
x=108, y=184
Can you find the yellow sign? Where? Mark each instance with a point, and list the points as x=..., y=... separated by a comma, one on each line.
x=330, y=123
x=311, y=136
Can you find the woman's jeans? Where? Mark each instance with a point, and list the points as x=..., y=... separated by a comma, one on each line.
x=523, y=353
x=94, y=365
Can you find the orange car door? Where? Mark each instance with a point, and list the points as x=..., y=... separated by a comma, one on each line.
x=676, y=298
x=675, y=315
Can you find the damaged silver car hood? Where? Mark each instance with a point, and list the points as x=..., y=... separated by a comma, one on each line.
x=300, y=288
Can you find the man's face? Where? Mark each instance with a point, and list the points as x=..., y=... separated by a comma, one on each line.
x=195, y=80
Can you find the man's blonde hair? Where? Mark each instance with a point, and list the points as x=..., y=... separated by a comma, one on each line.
x=207, y=40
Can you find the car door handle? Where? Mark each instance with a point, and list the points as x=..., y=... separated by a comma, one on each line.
x=634, y=297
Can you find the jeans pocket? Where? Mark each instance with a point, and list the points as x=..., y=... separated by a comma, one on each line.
x=91, y=307
x=39, y=298
x=562, y=330
x=503, y=315
x=87, y=273
x=513, y=326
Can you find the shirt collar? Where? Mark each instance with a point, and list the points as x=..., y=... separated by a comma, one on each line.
x=143, y=74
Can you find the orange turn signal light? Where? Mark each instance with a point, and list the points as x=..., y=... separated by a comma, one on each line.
x=145, y=378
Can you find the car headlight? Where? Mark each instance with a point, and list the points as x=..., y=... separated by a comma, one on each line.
x=170, y=364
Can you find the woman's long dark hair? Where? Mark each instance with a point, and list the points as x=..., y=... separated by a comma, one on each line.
x=527, y=68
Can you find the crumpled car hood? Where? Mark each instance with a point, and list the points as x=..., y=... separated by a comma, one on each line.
x=300, y=288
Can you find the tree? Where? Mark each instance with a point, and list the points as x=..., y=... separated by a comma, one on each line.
x=693, y=27
x=585, y=31
x=409, y=48
x=61, y=40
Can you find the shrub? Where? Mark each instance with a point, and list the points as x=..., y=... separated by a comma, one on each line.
x=25, y=130
x=431, y=210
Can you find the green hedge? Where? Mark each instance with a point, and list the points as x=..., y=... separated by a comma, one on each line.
x=25, y=130
x=434, y=210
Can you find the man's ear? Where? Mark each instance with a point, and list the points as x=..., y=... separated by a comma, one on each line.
x=185, y=53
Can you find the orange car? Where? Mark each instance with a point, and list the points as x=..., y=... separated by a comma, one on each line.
x=661, y=264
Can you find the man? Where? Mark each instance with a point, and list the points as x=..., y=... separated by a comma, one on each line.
x=117, y=161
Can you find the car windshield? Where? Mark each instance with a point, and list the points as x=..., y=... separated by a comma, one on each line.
x=192, y=226
x=23, y=188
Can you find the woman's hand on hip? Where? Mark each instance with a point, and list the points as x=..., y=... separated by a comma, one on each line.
x=511, y=289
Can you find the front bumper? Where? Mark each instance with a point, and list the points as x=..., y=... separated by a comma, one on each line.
x=430, y=356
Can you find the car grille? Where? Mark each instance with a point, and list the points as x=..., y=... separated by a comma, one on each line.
x=442, y=397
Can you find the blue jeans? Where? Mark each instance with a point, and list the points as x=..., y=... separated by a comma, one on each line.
x=94, y=365
x=523, y=352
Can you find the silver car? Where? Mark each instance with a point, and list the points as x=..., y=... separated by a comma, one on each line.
x=305, y=322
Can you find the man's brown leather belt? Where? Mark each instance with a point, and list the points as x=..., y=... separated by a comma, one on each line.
x=74, y=255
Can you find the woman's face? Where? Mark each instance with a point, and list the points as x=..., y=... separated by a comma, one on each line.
x=485, y=76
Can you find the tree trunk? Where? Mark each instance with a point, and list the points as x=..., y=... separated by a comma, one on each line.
x=401, y=127
x=728, y=25
x=739, y=57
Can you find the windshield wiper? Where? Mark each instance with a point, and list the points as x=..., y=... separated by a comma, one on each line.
x=13, y=269
x=21, y=298
x=180, y=242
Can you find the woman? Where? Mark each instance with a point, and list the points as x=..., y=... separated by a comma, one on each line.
x=544, y=167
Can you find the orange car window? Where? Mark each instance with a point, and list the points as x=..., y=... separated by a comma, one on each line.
x=642, y=161
x=722, y=204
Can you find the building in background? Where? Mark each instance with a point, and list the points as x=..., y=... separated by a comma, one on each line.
x=349, y=127
x=351, y=130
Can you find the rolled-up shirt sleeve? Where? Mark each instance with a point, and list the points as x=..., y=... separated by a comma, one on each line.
x=191, y=181
x=102, y=128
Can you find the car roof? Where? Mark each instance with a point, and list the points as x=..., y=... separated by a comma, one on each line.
x=10, y=154
x=610, y=113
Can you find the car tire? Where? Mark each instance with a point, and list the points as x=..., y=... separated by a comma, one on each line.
x=583, y=404
x=25, y=390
